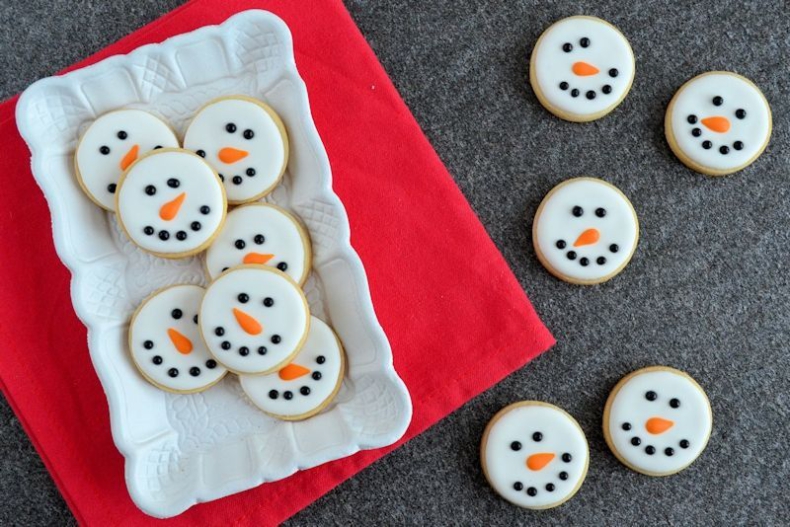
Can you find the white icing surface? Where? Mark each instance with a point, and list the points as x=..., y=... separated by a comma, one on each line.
x=283, y=241
x=607, y=49
x=692, y=421
x=556, y=222
x=696, y=98
x=97, y=170
x=321, y=342
x=506, y=467
x=287, y=318
x=267, y=150
x=152, y=324
x=138, y=210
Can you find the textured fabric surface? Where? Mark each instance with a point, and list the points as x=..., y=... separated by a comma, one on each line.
x=706, y=292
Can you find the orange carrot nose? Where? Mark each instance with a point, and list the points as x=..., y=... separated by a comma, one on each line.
x=129, y=157
x=657, y=425
x=588, y=237
x=247, y=323
x=538, y=461
x=257, y=258
x=182, y=344
x=717, y=124
x=584, y=69
x=231, y=155
x=169, y=210
x=293, y=371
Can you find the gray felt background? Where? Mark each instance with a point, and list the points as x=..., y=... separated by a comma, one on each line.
x=707, y=291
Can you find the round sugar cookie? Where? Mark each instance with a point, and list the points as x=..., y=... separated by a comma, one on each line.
x=307, y=384
x=165, y=341
x=254, y=319
x=657, y=420
x=718, y=123
x=581, y=68
x=260, y=233
x=534, y=455
x=585, y=231
x=246, y=143
x=111, y=144
x=171, y=203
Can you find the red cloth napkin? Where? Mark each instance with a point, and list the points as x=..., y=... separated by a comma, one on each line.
x=456, y=317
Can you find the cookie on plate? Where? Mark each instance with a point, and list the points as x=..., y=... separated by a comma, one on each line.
x=261, y=233
x=165, y=341
x=245, y=141
x=110, y=145
x=171, y=203
x=718, y=123
x=585, y=231
x=657, y=420
x=582, y=67
x=534, y=455
x=307, y=384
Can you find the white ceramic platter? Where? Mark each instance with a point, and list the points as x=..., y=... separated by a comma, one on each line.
x=185, y=449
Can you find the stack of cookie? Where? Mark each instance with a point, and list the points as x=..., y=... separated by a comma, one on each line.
x=253, y=319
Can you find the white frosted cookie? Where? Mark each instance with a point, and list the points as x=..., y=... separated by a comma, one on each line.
x=171, y=203
x=718, y=123
x=585, y=231
x=657, y=421
x=111, y=144
x=534, y=455
x=307, y=384
x=246, y=143
x=165, y=341
x=264, y=234
x=254, y=319
x=581, y=68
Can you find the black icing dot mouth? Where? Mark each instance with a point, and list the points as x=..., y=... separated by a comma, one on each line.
x=707, y=144
x=651, y=450
x=590, y=94
x=551, y=486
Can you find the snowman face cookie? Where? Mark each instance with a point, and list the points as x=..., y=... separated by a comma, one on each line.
x=111, y=144
x=718, y=123
x=254, y=319
x=245, y=141
x=165, y=341
x=585, y=231
x=171, y=203
x=534, y=455
x=657, y=421
x=307, y=384
x=263, y=234
x=581, y=68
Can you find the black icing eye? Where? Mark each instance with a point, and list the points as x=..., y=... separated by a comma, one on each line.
x=600, y=212
x=176, y=313
x=104, y=150
x=537, y=436
x=577, y=211
x=584, y=42
x=268, y=301
x=248, y=134
x=259, y=239
x=613, y=72
x=718, y=101
x=740, y=113
x=173, y=183
x=692, y=119
x=201, y=153
x=150, y=190
x=230, y=128
x=122, y=135
x=240, y=244
x=515, y=445
x=567, y=47
x=243, y=298
x=651, y=395
x=251, y=172
x=674, y=403
x=282, y=266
